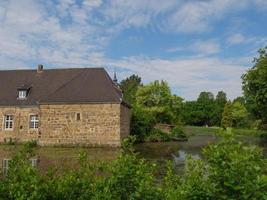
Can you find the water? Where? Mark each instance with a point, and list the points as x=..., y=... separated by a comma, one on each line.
x=159, y=152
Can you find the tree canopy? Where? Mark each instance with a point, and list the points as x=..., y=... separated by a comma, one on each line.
x=255, y=86
x=129, y=87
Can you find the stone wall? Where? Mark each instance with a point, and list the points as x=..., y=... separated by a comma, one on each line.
x=125, y=120
x=21, y=131
x=72, y=124
x=99, y=124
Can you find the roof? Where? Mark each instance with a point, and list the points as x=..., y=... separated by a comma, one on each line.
x=73, y=85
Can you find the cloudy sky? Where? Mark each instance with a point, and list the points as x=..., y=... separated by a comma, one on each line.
x=196, y=45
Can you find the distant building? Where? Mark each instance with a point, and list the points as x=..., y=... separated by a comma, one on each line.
x=62, y=107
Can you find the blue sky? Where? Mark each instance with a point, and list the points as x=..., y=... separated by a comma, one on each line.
x=196, y=45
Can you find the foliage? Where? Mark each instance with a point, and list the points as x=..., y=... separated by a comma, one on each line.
x=206, y=111
x=156, y=97
x=236, y=170
x=240, y=115
x=178, y=132
x=128, y=142
x=220, y=102
x=154, y=104
x=142, y=122
x=229, y=170
x=255, y=86
x=227, y=118
x=157, y=135
x=129, y=87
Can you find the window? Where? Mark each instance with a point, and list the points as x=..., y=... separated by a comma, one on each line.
x=5, y=164
x=34, y=121
x=8, y=122
x=34, y=162
x=22, y=94
x=78, y=116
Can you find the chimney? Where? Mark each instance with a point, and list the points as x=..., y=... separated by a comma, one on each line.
x=40, y=68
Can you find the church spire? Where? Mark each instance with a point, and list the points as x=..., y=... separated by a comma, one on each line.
x=115, y=77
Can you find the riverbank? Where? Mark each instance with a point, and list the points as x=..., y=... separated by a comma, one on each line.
x=201, y=130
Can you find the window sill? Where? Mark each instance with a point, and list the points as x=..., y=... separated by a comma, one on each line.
x=8, y=130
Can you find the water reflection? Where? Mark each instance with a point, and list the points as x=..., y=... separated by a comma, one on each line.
x=62, y=158
x=180, y=157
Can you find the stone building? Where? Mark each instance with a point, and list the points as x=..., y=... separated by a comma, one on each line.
x=80, y=106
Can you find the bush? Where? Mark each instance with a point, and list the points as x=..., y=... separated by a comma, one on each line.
x=230, y=170
x=142, y=122
x=157, y=135
x=178, y=132
x=236, y=170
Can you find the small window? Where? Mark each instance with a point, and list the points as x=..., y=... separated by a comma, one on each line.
x=34, y=122
x=34, y=162
x=8, y=122
x=78, y=116
x=22, y=94
x=5, y=164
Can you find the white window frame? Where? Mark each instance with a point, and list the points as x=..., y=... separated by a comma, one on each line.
x=9, y=123
x=22, y=94
x=34, y=120
x=34, y=162
x=5, y=166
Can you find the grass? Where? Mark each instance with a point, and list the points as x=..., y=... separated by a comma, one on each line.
x=200, y=130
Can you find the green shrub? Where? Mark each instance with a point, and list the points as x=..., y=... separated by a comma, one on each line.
x=236, y=170
x=178, y=132
x=156, y=135
x=128, y=143
x=142, y=122
x=230, y=170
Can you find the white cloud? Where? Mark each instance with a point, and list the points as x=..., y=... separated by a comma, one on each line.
x=195, y=16
x=205, y=47
x=236, y=38
x=68, y=34
x=188, y=76
x=199, y=47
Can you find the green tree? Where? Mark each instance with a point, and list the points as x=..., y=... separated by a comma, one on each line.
x=255, y=86
x=227, y=118
x=205, y=97
x=220, y=101
x=156, y=97
x=206, y=107
x=239, y=114
x=129, y=87
x=155, y=94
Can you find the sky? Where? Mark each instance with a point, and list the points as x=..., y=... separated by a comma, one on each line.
x=195, y=45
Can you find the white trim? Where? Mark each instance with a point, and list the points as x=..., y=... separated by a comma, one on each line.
x=34, y=118
x=22, y=94
x=10, y=121
x=5, y=165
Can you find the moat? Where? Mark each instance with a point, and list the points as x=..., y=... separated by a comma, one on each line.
x=61, y=158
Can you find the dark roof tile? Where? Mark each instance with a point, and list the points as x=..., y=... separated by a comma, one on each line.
x=79, y=85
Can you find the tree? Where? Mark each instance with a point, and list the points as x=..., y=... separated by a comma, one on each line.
x=239, y=114
x=206, y=107
x=205, y=96
x=156, y=97
x=176, y=108
x=255, y=86
x=129, y=87
x=192, y=115
x=155, y=94
x=227, y=118
x=220, y=101
x=221, y=98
